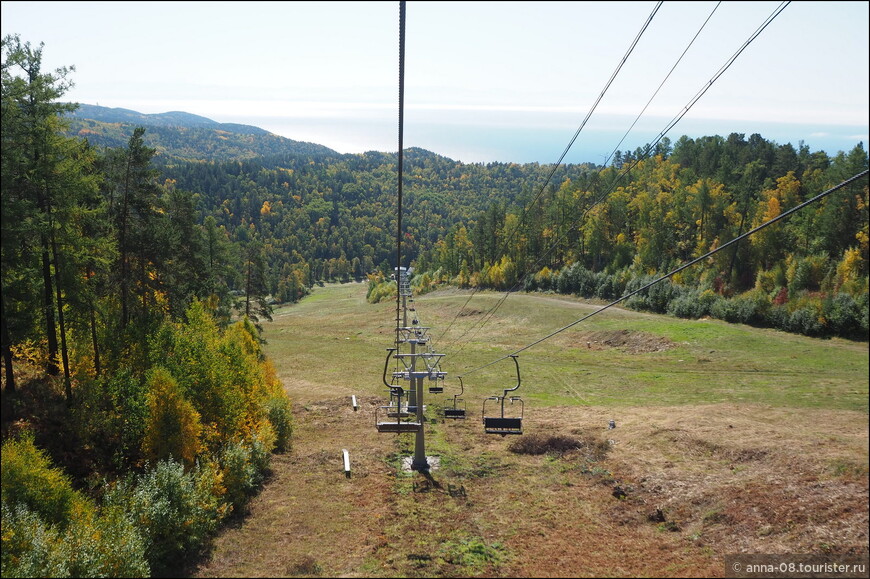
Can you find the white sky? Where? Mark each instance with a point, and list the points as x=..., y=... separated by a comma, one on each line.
x=485, y=81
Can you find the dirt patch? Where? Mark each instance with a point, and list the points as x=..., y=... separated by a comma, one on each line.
x=469, y=312
x=625, y=340
x=559, y=445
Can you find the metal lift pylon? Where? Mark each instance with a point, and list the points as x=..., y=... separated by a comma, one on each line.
x=416, y=363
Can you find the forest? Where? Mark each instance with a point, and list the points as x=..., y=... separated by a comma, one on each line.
x=139, y=411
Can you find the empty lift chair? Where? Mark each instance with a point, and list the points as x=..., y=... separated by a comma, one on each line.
x=501, y=424
x=397, y=420
x=457, y=412
x=436, y=380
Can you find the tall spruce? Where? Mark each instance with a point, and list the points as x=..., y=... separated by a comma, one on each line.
x=43, y=179
x=132, y=192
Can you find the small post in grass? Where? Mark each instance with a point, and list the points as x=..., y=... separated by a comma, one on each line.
x=346, y=463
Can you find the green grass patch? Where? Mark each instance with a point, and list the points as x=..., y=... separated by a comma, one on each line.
x=339, y=338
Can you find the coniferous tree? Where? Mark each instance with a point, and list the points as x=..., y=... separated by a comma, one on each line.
x=46, y=177
x=132, y=194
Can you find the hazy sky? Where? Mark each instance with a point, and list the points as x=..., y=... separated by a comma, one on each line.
x=484, y=81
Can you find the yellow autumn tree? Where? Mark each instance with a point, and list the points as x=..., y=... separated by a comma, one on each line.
x=173, y=427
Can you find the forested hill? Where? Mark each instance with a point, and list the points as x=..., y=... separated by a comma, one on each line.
x=183, y=136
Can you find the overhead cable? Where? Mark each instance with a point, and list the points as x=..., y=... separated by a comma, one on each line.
x=661, y=135
x=567, y=148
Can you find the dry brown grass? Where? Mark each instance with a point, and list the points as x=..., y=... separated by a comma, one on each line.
x=676, y=491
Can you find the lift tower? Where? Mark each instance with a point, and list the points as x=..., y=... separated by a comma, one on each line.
x=415, y=362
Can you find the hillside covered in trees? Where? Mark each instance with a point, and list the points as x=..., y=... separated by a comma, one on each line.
x=598, y=232
x=138, y=409
x=139, y=253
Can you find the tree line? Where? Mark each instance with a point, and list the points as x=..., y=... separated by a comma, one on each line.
x=612, y=231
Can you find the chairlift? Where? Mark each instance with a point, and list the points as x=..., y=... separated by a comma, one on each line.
x=404, y=422
x=457, y=412
x=501, y=424
x=436, y=377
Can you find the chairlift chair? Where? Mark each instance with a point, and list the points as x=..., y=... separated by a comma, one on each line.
x=501, y=424
x=404, y=420
x=436, y=379
x=457, y=412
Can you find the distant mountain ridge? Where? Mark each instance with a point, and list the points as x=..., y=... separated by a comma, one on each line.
x=168, y=119
x=184, y=136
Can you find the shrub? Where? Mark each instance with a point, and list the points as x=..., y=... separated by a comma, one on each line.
x=662, y=294
x=262, y=442
x=175, y=511
x=380, y=289
x=752, y=307
x=687, y=306
x=238, y=473
x=779, y=317
x=108, y=545
x=609, y=287
x=172, y=428
x=725, y=309
x=844, y=316
x=244, y=464
x=126, y=398
x=29, y=479
x=278, y=410
x=29, y=545
x=807, y=274
x=806, y=321
x=50, y=530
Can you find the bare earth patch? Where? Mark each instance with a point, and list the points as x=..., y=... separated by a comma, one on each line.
x=629, y=341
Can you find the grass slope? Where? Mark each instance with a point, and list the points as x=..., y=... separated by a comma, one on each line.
x=728, y=439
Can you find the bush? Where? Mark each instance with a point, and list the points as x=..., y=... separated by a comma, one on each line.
x=752, y=307
x=779, y=317
x=640, y=301
x=175, y=512
x=262, y=443
x=278, y=410
x=108, y=545
x=29, y=479
x=277, y=407
x=29, y=545
x=687, y=306
x=806, y=321
x=380, y=289
x=50, y=530
x=807, y=274
x=238, y=473
x=125, y=408
x=724, y=309
x=693, y=304
x=609, y=287
x=662, y=294
x=173, y=428
x=844, y=317
x=244, y=464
